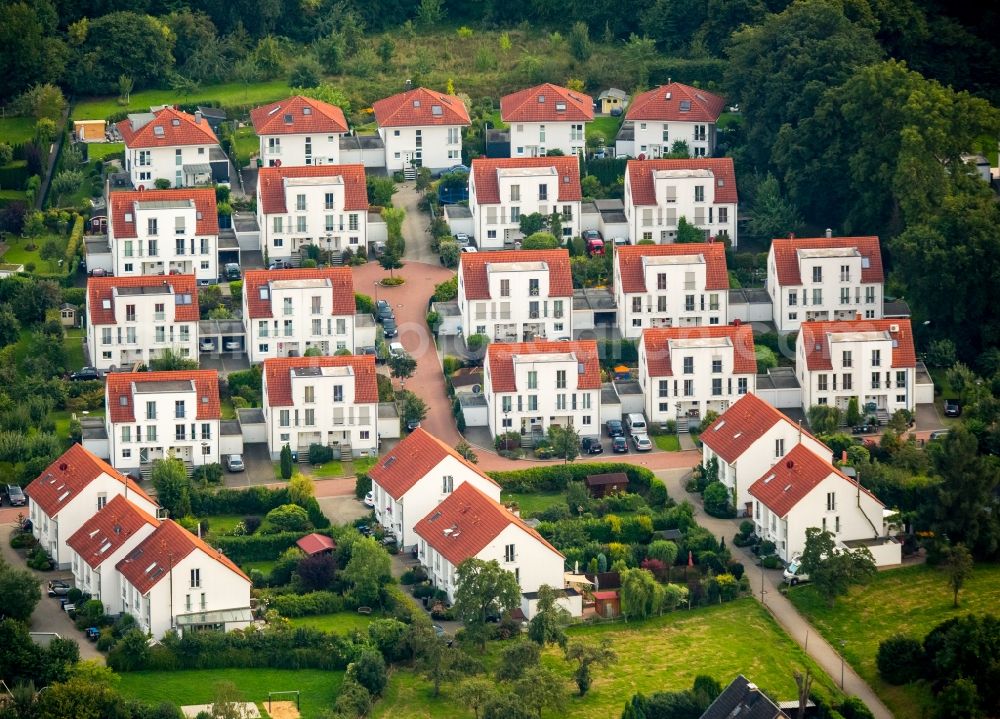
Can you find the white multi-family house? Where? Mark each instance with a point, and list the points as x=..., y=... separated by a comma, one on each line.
x=686, y=371
x=532, y=385
x=502, y=191
x=286, y=312
x=332, y=401
x=421, y=128
x=516, y=295
x=667, y=114
x=670, y=286
x=824, y=278
x=747, y=439
x=872, y=360
x=547, y=117
x=299, y=131
x=102, y=542
x=173, y=580
x=658, y=193
x=322, y=205
x=136, y=319
x=165, y=232
x=470, y=524
x=415, y=476
x=69, y=492
x=804, y=490
x=171, y=145
x=156, y=415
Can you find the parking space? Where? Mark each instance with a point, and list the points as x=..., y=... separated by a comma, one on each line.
x=225, y=362
x=259, y=468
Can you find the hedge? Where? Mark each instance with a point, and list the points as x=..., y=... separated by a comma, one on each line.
x=75, y=244
x=301, y=605
x=255, y=500
x=549, y=479
x=256, y=547
x=14, y=176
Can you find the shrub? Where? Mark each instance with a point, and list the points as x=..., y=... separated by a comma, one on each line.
x=370, y=672
x=256, y=547
x=320, y=454
x=716, y=498
x=207, y=473
x=767, y=547
x=771, y=561
x=900, y=659
x=362, y=485
x=288, y=518
x=556, y=478
x=304, y=605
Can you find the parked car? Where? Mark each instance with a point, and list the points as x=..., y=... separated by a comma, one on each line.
x=591, y=445
x=594, y=242
x=232, y=345
x=370, y=499
x=938, y=434
x=619, y=445
x=468, y=249
x=206, y=344
x=58, y=588
x=636, y=423
x=280, y=265
x=15, y=496
x=453, y=169
x=383, y=310
x=85, y=374
x=389, y=327
x=99, y=272
x=615, y=428
x=462, y=239
x=642, y=442
x=234, y=463
x=412, y=425
x=379, y=249
x=952, y=408
x=93, y=633
x=864, y=429
x=396, y=349
x=793, y=572
x=232, y=271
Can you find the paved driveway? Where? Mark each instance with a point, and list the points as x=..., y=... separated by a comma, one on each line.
x=259, y=468
x=224, y=362
x=418, y=239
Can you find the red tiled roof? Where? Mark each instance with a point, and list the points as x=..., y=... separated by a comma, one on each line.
x=472, y=266
x=640, y=177
x=124, y=202
x=474, y=519
x=746, y=421
x=277, y=372
x=341, y=281
x=102, y=535
x=485, y=176
x=629, y=258
x=416, y=108
x=786, y=258
x=500, y=359
x=814, y=337
x=119, y=384
x=64, y=479
x=179, y=128
x=316, y=543
x=538, y=104
x=100, y=289
x=656, y=341
x=410, y=460
x=654, y=105
x=166, y=547
x=793, y=478
x=290, y=117
x=272, y=186
x=606, y=594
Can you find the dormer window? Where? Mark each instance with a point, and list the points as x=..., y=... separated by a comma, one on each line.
x=416, y=103
x=685, y=105
x=175, y=122
x=288, y=119
x=307, y=111
x=158, y=131
x=437, y=110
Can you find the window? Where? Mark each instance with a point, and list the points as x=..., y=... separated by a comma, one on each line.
x=509, y=553
x=328, y=201
x=845, y=295
x=723, y=215
x=689, y=388
x=532, y=379
x=206, y=433
x=505, y=404
x=515, y=194
x=817, y=274
x=846, y=359
x=341, y=326
x=152, y=226
x=716, y=366
x=560, y=401
x=876, y=380
x=195, y=578
x=699, y=193
x=561, y=379
x=637, y=304
x=689, y=365
x=664, y=388
x=543, y=192
x=447, y=484
x=533, y=403
x=277, y=223
x=661, y=281
x=716, y=386
x=831, y=501
x=869, y=295
x=876, y=358
x=105, y=335
x=900, y=380
x=310, y=417
x=310, y=393
x=661, y=303
x=533, y=288
x=847, y=381
x=284, y=418
x=821, y=383
x=793, y=298
x=713, y=302
x=300, y=203
x=689, y=303
x=180, y=431
x=179, y=409
x=505, y=288
x=338, y=393
x=150, y=410
x=741, y=385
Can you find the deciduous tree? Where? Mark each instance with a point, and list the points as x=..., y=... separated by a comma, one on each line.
x=588, y=655
x=485, y=590
x=548, y=626
x=833, y=571
x=368, y=570
x=958, y=568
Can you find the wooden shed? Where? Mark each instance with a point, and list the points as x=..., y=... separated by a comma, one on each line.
x=313, y=544
x=601, y=485
x=607, y=604
x=67, y=315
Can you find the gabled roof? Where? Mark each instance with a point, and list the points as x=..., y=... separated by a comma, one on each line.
x=64, y=480
x=152, y=559
x=420, y=107
x=500, y=358
x=340, y=278
x=547, y=103
x=485, y=174
x=747, y=420
x=786, y=258
x=744, y=700
x=271, y=182
x=473, y=266
x=790, y=480
x=815, y=339
x=278, y=373
x=298, y=115
x=100, y=290
x=633, y=274
x=640, y=177
x=176, y=129
x=122, y=203
x=657, y=343
x=410, y=460
x=103, y=534
x=120, y=385
x=316, y=543
x=466, y=522
x=668, y=102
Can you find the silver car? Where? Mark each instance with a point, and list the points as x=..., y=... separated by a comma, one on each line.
x=234, y=463
x=642, y=442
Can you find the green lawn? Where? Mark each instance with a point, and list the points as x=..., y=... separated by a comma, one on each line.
x=667, y=442
x=18, y=252
x=100, y=150
x=74, y=347
x=223, y=523
x=16, y=130
x=534, y=502
x=361, y=465
x=909, y=601
x=662, y=654
x=340, y=623
x=247, y=144
x=233, y=93
x=228, y=411
x=12, y=195
x=264, y=567
x=197, y=686
x=333, y=468
x=606, y=127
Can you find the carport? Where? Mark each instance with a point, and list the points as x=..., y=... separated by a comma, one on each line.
x=229, y=249
x=219, y=333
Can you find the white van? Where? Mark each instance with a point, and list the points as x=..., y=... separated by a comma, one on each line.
x=635, y=423
x=793, y=572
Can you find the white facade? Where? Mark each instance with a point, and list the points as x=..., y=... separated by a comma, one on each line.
x=522, y=191
x=293, y=150
x=146, y=165
x=656, y=138
x=436, y=147
x=104, y=582
x=535, y=139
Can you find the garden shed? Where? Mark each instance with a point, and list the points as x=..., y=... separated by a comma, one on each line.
x=601, y=485
x=313, y=544
x=607, y=604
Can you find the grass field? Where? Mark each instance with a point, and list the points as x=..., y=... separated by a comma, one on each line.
x=319, y=688
x=74, y=347
x=223, y=523
x=333, y=468
x=18, y=252
x=360, y=465
x=662, y=654
x=534, y=502
x=340, y=623
x=247, y=144
x=264, y=566
x=100, y=150
x=12, y=195
x=16, y=130
x=667, y=442
x=232, y=93
x=228, y=411
x=606, y=127
x=909, y=601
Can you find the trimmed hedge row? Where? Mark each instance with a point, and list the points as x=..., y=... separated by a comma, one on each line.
x=555, y=478
x=302, y=605
x=75, y=244
x=256, y=500
x=14, y=176
x=257, y=547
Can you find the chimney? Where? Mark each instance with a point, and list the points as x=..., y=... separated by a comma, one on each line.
x=843, y=456
x=197, y=117
x=829, y=233
x=791, y=235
